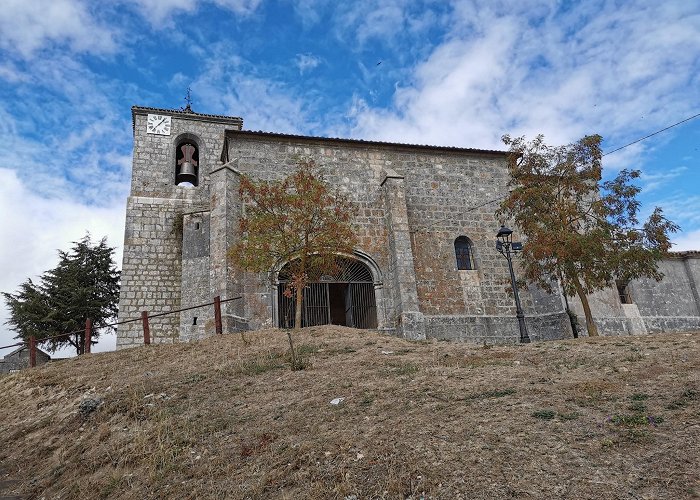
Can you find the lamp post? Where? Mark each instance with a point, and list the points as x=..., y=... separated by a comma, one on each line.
x=507, y=247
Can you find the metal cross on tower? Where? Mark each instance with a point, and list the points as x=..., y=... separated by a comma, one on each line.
x=188, y=100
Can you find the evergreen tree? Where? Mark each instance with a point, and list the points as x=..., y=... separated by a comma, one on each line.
x=84, y=284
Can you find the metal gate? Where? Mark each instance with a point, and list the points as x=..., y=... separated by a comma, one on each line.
x=346, y=298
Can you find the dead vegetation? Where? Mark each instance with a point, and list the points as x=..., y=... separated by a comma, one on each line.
x=589, y=418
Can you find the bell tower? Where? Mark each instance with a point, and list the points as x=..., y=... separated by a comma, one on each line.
x=175, y=153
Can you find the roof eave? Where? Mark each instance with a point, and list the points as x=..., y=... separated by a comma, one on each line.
x=362, y=142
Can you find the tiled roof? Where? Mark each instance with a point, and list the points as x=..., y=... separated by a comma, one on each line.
x=364, y=142
x=685, y=253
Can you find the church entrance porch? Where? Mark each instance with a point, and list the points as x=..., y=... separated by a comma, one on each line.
x=347, y=298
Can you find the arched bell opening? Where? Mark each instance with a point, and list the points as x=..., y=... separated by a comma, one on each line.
x=346, y=297
x=187, y=163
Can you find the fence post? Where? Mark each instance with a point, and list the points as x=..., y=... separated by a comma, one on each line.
x=32, y=351
x=217, y=315
x=146, y=329
x=88, y=336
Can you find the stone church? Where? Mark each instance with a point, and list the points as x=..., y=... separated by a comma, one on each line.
x=426, y=265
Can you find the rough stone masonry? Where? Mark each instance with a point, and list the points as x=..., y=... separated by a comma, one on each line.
x=426, y=254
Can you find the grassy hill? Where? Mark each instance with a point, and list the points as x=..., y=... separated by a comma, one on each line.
x=223, y=418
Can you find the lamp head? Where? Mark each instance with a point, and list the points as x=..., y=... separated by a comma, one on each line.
x=504, y=234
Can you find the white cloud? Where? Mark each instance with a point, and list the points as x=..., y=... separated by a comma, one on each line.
x=306, y=62
x=687, y=241
x=27, y=26
x=530, y=68
x=230, y=85
x=163, y=11
x=387, y=22
x=241, y=7
x=35, y=227
x=652, y=181
x=88, y=155
x=682, y=208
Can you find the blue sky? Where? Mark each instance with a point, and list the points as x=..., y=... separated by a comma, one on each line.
x=456, y=73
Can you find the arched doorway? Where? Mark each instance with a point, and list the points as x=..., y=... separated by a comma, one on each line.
x=345, y=298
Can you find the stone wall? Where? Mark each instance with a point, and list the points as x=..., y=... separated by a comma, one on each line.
x=152, y=269
x=19, y=360
x=669, y=305
x=413, y=203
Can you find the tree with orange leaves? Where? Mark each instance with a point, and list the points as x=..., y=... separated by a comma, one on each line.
x=579, y=229
x=298, y=221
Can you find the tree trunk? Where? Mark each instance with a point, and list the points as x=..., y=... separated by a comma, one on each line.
x=297, y=312
x=300, y=285
x=291, y=348
x=590, y=324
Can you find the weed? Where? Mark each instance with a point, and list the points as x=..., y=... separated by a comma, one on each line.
x=406, y=369
x=544, y=414
x=494, y=394
x=367, y=399
x=194, y=378
x=638, y=396
x=306, y=349
x=301, y=364
x=568, y=416
x=260, y=364
x=607, y=443
x=686, y=397
x=689, y=394
x=638, y=406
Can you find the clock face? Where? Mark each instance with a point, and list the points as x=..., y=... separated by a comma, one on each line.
x=158, y=124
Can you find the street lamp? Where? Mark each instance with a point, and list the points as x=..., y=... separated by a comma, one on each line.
x=506, y=246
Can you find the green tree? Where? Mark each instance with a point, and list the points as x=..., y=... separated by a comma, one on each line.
x=581, y=229
x=298, y=221
x=84, y=284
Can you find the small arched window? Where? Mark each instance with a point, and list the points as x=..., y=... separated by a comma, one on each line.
x=463, y=253
x=187, y=163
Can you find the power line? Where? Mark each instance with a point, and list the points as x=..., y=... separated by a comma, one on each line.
x=488, y=202
x=651, y=135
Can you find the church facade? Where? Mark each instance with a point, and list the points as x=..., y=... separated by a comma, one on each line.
x=425, y=266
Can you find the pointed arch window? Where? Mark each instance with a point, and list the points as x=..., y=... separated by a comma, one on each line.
x=463, y=253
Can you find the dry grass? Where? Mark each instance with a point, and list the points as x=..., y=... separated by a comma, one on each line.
x=602, y=418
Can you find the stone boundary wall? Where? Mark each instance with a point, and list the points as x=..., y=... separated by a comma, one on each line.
x=667, y=306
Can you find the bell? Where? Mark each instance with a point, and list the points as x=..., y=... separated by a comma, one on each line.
x=187, y=165
x=187, y=174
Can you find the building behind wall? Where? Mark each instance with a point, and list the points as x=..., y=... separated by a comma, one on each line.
x=19, y=359
x=648, y=306
x=425, y=265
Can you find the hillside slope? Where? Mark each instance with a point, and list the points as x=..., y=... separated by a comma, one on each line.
x=222, y=418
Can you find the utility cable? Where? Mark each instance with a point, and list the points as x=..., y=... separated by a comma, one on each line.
x=651, y=135
x=502, y=197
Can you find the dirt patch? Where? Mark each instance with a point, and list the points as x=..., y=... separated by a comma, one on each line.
x=222, y=418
